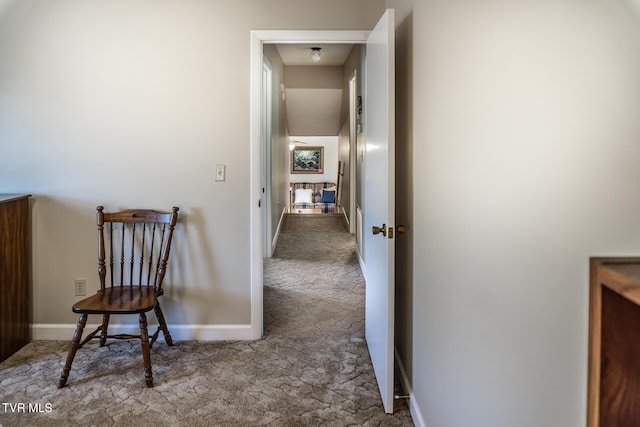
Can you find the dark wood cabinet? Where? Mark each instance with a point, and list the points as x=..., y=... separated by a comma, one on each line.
x=614, y=343
x=15, y=267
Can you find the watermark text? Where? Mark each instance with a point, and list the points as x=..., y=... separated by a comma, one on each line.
x=25, y=407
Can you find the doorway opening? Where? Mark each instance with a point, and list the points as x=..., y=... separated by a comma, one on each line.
x=377, y=179
x=258, y=202
x=310, y=105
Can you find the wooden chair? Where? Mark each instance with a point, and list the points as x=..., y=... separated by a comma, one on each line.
x=138, y=244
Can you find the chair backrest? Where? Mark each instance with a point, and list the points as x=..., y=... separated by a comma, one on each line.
x=134, y=246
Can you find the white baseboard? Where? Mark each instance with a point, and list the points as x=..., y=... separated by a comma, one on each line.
x=416, y=413
x=361, y=262
x=346, y=218
x=277, y=233
x=52, y=331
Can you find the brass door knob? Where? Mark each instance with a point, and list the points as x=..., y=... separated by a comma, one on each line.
x=378, y=230
x=401, y=229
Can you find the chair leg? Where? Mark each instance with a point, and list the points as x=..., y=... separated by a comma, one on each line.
x=146, y=354
x=163, y=324
x=105, y=326
x=72, y=351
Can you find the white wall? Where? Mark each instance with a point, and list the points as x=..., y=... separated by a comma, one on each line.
x=330, y=144
x=131, y=104
x=526, y=156
x=4, y=7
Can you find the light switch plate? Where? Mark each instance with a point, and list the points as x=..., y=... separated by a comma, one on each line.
x=220, y=175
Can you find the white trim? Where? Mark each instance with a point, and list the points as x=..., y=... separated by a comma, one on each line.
x=361, y=262
x=277, y=234
x=416, y=414
x=265, y=152
x=353, y=146
x=359, y=231
x=254, y=181
x=306, y=36
x=346, y=218
x=56, y=331
x=257, y=38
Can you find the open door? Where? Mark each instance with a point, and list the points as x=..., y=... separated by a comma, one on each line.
x=379, y=202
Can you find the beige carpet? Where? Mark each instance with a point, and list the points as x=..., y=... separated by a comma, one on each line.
x=311, y=368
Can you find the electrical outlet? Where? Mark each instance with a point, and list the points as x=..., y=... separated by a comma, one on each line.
x=80, y=286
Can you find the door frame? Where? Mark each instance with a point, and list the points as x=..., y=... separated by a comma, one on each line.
x=265, y=153
x=258, y=39
x=354, y=81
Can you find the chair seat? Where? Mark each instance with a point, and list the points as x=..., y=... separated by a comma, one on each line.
x=120, y=299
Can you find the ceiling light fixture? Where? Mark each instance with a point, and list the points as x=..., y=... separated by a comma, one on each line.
x=315, y=54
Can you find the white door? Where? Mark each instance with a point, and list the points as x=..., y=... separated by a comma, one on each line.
x=379, y=202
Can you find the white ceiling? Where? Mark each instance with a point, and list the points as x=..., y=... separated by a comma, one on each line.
x=298, y=54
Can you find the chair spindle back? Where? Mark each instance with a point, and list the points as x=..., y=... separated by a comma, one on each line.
x=137, y=246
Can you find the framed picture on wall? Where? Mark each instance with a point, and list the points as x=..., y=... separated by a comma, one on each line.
x=307, y=160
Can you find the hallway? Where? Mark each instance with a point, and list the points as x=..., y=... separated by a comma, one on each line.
x=314, y=302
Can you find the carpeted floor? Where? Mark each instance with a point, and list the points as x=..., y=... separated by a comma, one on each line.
x=311, y=368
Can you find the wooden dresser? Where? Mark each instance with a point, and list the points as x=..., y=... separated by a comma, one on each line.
x=614, y=343
x=15, y=267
